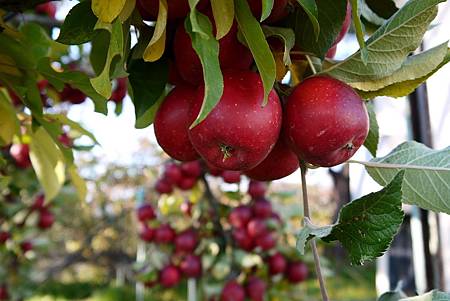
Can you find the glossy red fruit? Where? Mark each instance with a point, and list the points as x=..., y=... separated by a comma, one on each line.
x=186, y=241
x=345, y=25
x=191, y=266
x=240, y=216
x=72, y=95
x=38, y=203
x=146, y=213
x=231, y=176
x=262, y=208
x=331, y=52
x=172, y=173
x=65, y=140
x=256, y=288
x=164, y=234
x=172, y=123
x=48, y=9
x=280, y=163
x=26, y=246
x=266, y=241
x=15, y=99
x=232, y=55
x=176, y=8
x=277, y=264
x=279, y=10
x=256, y=189
x=4, y=294
x=147, y=233
x=232, y=291
x=256, y=227
x=175, y=78
x=120, y=91
x=325, y=121
x=46, y=219
x=21, y=155
x=238, y=133
x=214, y=171
x=169, y=276
x=191, y=169
x=162, y=186
x=187, y=183
x=4, y=236
x=296, y=272
x=242, y=239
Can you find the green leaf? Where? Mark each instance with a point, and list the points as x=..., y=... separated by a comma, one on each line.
x=415, y=71
x=9, y=124
x=78, y=182
x=223, y=11
x=147, y=83
x=102, y=83
x=287, y=35
x=390, y=45
x=76, y=79
x=78, y=26
x=360, y=31
x=427, y=176
x=331, y=15
x=310, y=231
x=36, y=41
x=310, y=8
x=267, y=6
x=48, y=162
x=431, y=296
x=377, y=11
x=64, y=120
x=373, y=137
x=367, y=226
x=107, y=10
x=193, y=17
x=254, y=37
x=208, y=52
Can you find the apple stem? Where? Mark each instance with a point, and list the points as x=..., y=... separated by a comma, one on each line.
x=306, y=214
x=226, y=150
x=311, y=65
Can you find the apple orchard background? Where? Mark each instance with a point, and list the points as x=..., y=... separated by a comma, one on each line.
x=122, y=147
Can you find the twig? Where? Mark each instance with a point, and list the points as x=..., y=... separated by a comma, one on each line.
x=313, y=68
x=306, y=214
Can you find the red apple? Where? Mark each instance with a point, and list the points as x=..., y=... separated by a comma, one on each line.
x=279, y=10
x=26, y=246
x=65, y=140
x=187, y=183
x=262, y=208
x=172, y=173
x=21, y=155
x=120, y=91
x=38, y=203
x=232, y=291
x=186, y=208
x=242, y=239
x=239, y=132
x=266, y=241
x=4, y=236
x=172, y=123
x=176, y=8
x=72, y=95
x=146, y=213
x=277, y=264
x=296, y=272
x=214, y=171
x=15, y=99
x=280, y=163
x=325, y=121
x=175, y=78
x=232, y=55
x=162, y=186
x=186, y=241
x=46, y=219
x=345, y=25
x=231, y=176
x=256, y=288
x=192, y=169
x=164, y=234
x=191, y=266
x=256, y=189
x=256, y=227
x=240, y=216
x=4, y=295
x=169, y=276
x=147, y=233
x=48, y=9
x=331, y=52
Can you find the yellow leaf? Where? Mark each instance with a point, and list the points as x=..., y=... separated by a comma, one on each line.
x=107, y=10
x=48, y=162
x=157, y=45
x=9, y=124
x=127, y=10
x=281, y=67
x=223, y=11
x=78, y=182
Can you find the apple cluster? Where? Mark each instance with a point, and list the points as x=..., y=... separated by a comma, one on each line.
x=322, y=122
